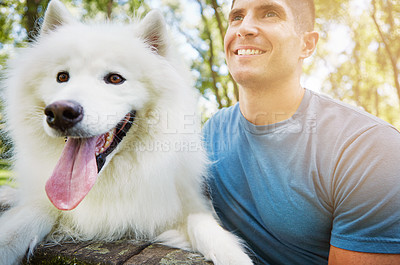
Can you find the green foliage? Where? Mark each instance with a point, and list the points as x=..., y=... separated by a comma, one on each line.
x=5, y=173
x=10, y=18
x=213, y=79
x=364, y=72
x=111, y=8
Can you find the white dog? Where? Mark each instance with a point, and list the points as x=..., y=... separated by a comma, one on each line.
x=106, y=146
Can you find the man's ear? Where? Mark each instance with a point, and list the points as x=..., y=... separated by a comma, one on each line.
x=153, y=31
x=56, y=15
x=309, y=43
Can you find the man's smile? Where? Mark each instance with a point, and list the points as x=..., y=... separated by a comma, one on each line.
x=249, y=52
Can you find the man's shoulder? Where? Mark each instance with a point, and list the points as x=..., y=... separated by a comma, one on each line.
x=222, y=123
x=342, y=112
x=224, y=116
x=227, y=112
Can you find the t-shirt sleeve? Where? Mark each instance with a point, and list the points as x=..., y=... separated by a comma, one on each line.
x=366, y=193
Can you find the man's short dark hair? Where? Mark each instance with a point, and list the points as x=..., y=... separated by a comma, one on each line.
x=304, y=13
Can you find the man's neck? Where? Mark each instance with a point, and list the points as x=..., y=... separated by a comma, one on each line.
x=269, y=105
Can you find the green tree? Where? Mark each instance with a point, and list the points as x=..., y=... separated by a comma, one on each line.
x=366, y=72
x=111, y=8
x=385, y=15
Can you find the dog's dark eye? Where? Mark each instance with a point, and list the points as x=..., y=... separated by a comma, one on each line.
x=62, y=77
x=114, y=79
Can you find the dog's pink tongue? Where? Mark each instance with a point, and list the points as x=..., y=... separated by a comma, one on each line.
x=74, y=174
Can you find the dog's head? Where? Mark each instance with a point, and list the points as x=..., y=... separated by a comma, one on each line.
x=94, y=80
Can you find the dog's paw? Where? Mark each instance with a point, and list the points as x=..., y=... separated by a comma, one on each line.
x=215, y=243
x=173, y=238
x=22, y=227
x=229, y=258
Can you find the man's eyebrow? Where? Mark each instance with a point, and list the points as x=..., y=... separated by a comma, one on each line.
x=273, y=6
x=269, y=6
x=235, y=11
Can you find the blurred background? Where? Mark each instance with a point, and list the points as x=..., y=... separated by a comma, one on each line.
x=357, y=60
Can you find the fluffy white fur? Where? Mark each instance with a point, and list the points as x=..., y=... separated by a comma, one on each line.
x=151, y=185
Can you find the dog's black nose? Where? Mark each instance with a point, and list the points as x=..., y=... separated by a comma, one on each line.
x=63, y=114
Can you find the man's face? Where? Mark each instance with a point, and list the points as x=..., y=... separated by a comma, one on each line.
x=261, y=43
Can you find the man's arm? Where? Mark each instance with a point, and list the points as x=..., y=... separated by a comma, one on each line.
x=367, y=200
x=338, y=256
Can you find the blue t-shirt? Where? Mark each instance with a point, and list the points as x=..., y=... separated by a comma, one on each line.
x=329, y=175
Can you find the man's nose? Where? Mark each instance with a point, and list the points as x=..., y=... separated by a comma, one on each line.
x=247, y=28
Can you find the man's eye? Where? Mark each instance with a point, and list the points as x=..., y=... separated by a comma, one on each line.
x=271, y=14
x=237, y=18
x=114, y=79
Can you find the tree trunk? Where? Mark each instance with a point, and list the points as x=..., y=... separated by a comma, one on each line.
x=32, y=15
x=392, y=57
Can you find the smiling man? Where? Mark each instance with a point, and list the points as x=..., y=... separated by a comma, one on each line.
x=302, y=178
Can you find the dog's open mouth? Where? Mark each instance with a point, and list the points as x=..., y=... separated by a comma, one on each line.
x=107, y=142
x=80, y=162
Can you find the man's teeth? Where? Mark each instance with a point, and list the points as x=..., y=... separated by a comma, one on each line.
x=249, y=52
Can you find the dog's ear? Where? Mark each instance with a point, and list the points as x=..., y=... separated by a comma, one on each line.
x=56, y=15
x=153, y=31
